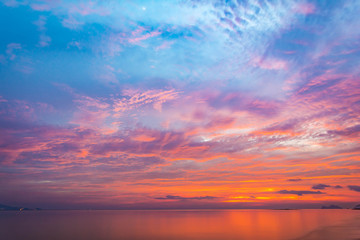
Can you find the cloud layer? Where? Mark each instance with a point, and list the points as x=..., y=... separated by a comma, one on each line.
x=109, y=103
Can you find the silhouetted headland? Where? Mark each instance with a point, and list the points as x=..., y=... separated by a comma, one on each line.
x=331, y=207
x=12, y=208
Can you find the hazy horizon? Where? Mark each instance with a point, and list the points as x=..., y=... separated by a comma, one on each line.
x=187, y=206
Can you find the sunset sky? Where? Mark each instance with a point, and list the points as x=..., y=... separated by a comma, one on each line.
x=179, y=103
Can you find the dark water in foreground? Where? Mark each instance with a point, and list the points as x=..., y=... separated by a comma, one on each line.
x=180, y=224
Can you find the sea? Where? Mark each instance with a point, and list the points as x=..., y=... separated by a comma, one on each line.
x=327, y=224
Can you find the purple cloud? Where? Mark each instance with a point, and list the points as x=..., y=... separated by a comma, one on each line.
x=172, y=197
x=355, y=188
x=299, y=193
x=350, y=131
x=241, y=101
x=294, y=180
x=320, y=186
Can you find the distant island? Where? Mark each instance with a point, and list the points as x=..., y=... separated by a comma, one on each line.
x=11, y=208
x=357, y=207
x=331, y=207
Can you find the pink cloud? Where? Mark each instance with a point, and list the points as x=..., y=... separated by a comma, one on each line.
x=305, y=8
x=71, y=22
x=11, y=50
x=135, y=99
x=92, y=113
x=40, y=23
x=40, y=7
x=115, y=42
x=138, y=31
x=12, y=3
x=106, y=114
x=146, y=36
x=44, y=40
x=270, y=63
x=143, y=138
x=89, y=8
x=2, y=99
x=164, y=45
x=45, y=5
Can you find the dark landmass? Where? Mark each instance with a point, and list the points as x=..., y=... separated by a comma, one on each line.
x=357, y=207
x=331, y=207
x=11, y=208
x=8, y=208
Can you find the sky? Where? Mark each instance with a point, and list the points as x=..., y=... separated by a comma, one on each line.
x=179, y=103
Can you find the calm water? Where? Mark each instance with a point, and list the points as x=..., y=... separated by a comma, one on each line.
x=180, y=224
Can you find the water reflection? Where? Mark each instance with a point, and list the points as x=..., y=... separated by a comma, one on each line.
x=171, y=224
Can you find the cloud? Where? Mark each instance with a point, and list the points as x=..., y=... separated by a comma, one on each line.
x=125, y=163
x=107, y=113
x=352, y=131
x=144, y=37
x=192, y=95
x=241, y=101
x=168, y=141
x=41, y=25
x=270, y=64
x=354, y=188
x=136, y=98
x=305, y=8
x=299, y=193
x=294, y=180
x=320, y=186
x=12, y=49
x=13, y=3
x=172, y=197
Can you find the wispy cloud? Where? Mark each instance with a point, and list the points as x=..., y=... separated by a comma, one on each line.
x=171, y=197
x=299, y=193
x=294, y=179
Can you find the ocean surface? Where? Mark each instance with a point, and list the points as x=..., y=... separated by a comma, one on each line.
x=180, y=224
